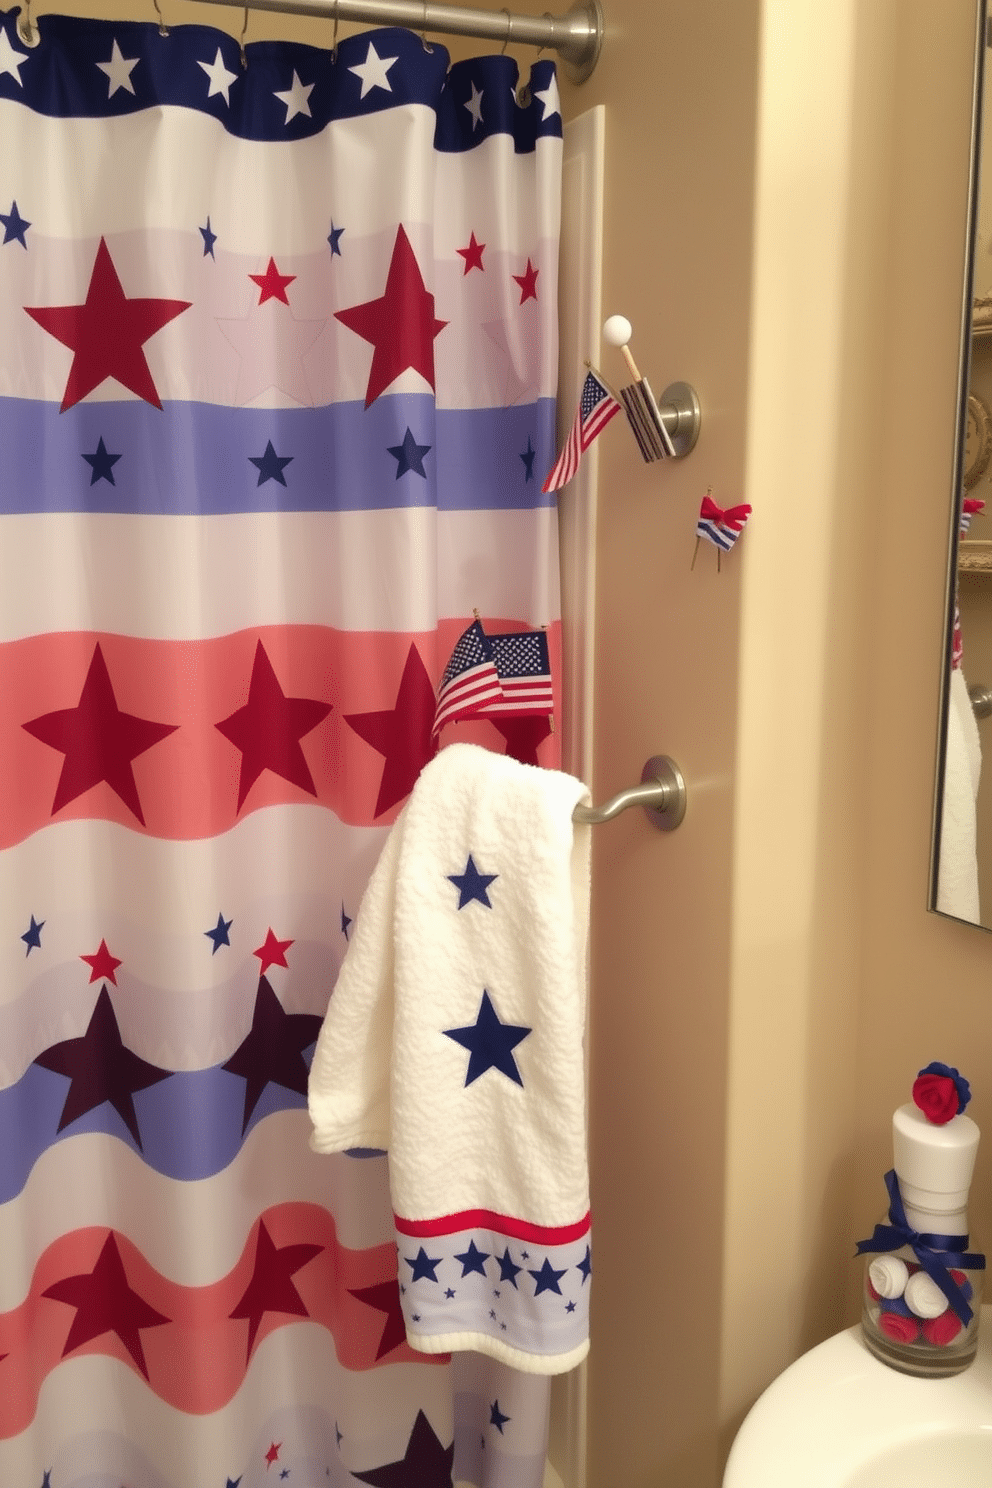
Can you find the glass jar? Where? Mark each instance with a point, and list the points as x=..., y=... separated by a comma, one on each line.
x=908, y=1322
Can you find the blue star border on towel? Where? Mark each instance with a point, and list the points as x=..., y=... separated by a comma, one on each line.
x=454, y=1039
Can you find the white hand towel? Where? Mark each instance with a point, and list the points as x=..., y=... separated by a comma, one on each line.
x=957, y=873
x=454, y=1039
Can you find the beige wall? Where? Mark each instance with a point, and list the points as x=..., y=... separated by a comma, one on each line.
x=785, y=189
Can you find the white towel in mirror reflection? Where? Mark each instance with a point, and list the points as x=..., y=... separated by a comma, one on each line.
x=957, y=880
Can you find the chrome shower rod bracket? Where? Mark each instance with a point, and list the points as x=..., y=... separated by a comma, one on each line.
x=577, y=36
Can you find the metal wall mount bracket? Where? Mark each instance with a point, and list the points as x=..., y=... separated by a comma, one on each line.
x=662, y=793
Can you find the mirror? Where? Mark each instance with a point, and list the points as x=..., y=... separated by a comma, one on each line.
x=961, y=870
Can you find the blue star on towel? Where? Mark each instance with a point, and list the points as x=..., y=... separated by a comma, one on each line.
x=496, y=1417
x=422, y=1265
x=547, y=1278
x=507, y=1270
x=32, y=936
x=472, y=884
x=345, y=923
x=490, y=1043
x=219, y=934
x=101, y=464
x=270, y=465
x=585, y=1265
x=473, y=1259
x=209, y=239
x=409, y=455
x=528, y=458
x=14, y=226
x=334, y=238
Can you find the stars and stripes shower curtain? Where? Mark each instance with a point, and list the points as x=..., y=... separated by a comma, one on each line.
x=277, y=368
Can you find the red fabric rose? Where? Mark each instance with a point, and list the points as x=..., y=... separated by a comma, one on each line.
x=901, y=1329
x=942, y=1330
x=937, y=1098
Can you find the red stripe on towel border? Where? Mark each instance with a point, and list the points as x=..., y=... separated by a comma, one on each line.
x=488, y=1219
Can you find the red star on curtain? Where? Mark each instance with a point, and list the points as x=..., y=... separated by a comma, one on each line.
x=271, y=1287
x=272, y=1455
x=272, y=952
x=523, y=735
x=272, y=284
x=400, y=324
x=269, y=727
x=106, y=333
x=385, y=1297
x=472, y=255
x=105, y=1303
x=401, y=733
x=99, y=741
x=528, y=282
x=425, y=1464
x=102, y=964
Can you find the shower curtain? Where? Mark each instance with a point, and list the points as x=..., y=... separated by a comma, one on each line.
x=276, y=403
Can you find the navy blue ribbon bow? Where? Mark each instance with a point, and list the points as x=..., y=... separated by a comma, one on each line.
x=935, y=1253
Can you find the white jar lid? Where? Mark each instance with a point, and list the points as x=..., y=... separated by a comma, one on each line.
x=934, y=1164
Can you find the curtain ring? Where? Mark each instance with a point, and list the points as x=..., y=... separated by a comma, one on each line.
x=334, y=38
x=509, y=30
x=241, y=41
x=163, y=29
x=423, y=34
x=28, y=32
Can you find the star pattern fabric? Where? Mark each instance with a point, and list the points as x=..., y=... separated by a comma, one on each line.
x=523, y=735
x=106, y=333
x=99, y=740
x=400, y=324
x=270, y=466
x=103, y=966
x=472, y=1259
x=474, y=106
x=101, y=464
x=268, y=729
x=220, y=79
x=334, y=239
x=384, y=1296
x=409, y=456
x=119, y=70
x=296, y=98
x=272, y=1051
x=271, y=344
x=14, y=226
x=32, y=935
x=373, y=71
x=547, y=1278
x=528, y=282
x=527, y=456
x=272, y=284
x=11, y=60
x=472, y=885
x=209, y=239
x=101, y=1070
x=272, y=951
x=490, y=1043
x=497, y=1417
x=422, y=1265
x=219, y=934
x=424, y=1464
x=271, y=1288
x=105, y=1302
x=472, y=254
x=402, y=734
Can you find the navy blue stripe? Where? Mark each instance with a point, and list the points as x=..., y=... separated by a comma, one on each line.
x=61, y=78
x=192, y=459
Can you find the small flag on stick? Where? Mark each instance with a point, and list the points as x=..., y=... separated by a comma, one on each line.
x=597, y=406
x=644, y=418
x=524, y=668
x=470, y=679
x=722, y=528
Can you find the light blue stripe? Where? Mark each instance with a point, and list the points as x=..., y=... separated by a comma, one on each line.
x=194, y=459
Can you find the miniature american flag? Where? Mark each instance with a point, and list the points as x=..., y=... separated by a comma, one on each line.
x=721, y=527
x=524, y=669
x=470, y=679
x=596, y=407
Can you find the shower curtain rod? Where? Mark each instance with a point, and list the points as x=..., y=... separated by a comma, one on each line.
x=576, y=36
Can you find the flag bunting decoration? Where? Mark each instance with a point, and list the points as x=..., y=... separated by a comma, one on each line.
x=597, y=406
x=721, y=527
x=509, y=675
